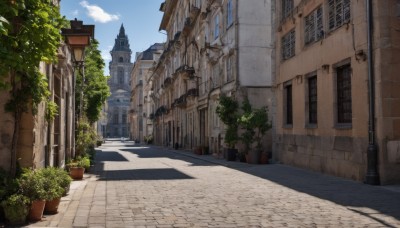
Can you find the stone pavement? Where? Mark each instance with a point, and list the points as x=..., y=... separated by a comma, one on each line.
x=133, y=186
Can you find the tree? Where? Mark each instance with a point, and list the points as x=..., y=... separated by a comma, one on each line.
x=29, y=34
x=227, y=111
x=95, y=88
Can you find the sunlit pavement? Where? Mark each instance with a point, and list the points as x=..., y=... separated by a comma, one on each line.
x=140, y=186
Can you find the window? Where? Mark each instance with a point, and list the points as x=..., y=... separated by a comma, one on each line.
x=229, y=14
x=124, y=118
x=312, y=100
x=121, y=60
x=339, y=13
x=313, y=26
x=216, y=27
x=288, y=45
x=122, y=43
x=115, y=118
x=287, y=8
x=288, y=105
x=229, y=65
x=343, y=92
x=121, y=76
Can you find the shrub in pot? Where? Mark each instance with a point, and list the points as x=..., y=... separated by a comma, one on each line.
x=255, y=124
x=77, y=167
x=64, y=180
x=16, y=209
x=53, y=189
x=31, y=185
x=227, y=111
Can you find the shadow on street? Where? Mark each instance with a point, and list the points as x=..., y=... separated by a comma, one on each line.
x=353, y=195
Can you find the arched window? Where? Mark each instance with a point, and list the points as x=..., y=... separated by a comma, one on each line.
x=121, y=60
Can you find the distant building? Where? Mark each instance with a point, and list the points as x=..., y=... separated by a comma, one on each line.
x=118, y=103
x=141, y=104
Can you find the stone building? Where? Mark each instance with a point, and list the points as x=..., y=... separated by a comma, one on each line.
x=324, y=60
x=213, y=47
x=118, y=104
x=140, y=124
x=42, y=142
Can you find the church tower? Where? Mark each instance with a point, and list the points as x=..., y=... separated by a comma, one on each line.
x=119, y=101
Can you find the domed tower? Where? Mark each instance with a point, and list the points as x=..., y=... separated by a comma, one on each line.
x=119, y=101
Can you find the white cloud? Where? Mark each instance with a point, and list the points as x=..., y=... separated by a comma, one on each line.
x=98, y=14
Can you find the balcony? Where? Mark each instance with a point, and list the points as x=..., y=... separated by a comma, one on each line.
x=180, y=102
x=186, y=71
x=167, y=82
x=161, y=111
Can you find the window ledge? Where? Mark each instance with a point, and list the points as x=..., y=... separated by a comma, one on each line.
x=343, y=126
x=311, y=126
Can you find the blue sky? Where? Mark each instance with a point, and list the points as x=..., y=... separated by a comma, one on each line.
x=141, y=19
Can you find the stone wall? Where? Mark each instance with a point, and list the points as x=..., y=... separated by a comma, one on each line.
x=336, y=155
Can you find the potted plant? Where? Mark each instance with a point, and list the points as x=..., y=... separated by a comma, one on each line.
x=77, y=167
x=246, y=122
x=255, y=124
x=16, y=208
x=261, y=126
x=227, y=111
x=31, y=185
x=53, y=189
x=64, y=180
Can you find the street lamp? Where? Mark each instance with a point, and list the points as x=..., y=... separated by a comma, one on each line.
x=78, y=37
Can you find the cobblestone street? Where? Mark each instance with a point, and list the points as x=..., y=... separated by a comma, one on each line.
x=133, y=186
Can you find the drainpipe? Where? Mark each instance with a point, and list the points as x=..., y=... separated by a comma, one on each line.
x=372, y=176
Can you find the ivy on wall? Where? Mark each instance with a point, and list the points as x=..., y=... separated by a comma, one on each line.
x=29, y=34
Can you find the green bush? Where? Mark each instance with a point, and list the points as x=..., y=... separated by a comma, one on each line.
x=82, y=162
x=16, y=208
x=52, y=184
x=32, y=184
x=86, y=139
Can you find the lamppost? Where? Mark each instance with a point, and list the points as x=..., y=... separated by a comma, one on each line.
x=78, y=38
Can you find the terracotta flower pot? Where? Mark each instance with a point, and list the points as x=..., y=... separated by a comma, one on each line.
x=76, y=173
x=52, y=206
x=36, y=210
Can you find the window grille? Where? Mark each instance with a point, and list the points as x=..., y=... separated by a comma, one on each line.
x=344, y=101
x=287, y=8
x=288, y=45
x=313, y=26
x=339, y=13
x=312, y=100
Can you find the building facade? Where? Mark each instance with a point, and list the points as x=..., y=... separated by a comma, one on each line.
x=118, y=104
x=140, y=124
x=213, y=47
x=42, y=142
x=322, y=87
